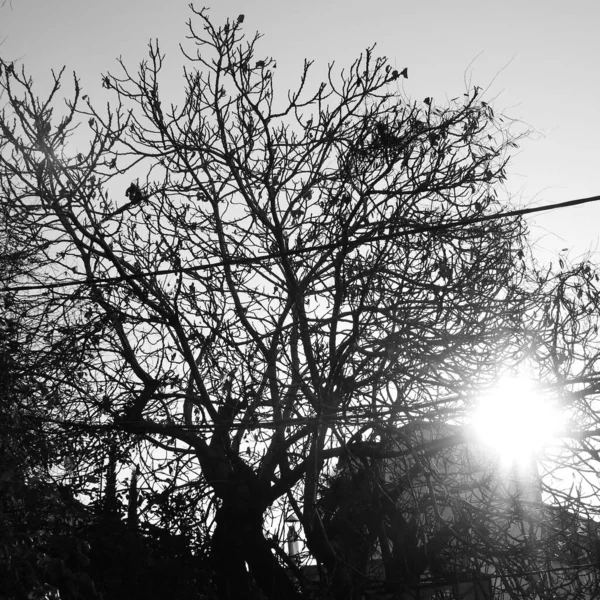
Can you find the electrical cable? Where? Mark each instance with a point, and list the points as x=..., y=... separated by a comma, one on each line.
x=307, y=250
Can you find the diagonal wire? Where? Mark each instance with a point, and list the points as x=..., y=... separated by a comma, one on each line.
x=318, y=248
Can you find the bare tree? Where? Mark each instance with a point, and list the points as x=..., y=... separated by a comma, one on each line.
x=277, y=277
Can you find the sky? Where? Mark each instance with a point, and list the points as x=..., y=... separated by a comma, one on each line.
x=536, y=59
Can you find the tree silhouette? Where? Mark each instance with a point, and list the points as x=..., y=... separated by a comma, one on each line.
x=287, y=286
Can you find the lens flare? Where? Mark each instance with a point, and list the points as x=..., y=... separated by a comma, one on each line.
x=516, y=419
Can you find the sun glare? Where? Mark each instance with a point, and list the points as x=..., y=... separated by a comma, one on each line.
x=516, y=419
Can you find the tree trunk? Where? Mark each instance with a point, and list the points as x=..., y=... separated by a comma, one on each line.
x=241, y=556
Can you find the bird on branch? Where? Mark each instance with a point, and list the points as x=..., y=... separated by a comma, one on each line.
x=135, y=196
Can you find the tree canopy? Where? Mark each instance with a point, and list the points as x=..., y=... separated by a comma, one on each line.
x=237, y=291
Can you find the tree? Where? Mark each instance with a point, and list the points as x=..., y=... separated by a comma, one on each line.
x=46, y=534
x=276, y=278
x=42, y=553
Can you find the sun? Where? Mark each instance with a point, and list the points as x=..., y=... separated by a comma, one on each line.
x=517, y=420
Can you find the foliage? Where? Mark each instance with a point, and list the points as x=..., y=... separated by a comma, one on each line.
x=52, y=545
x=40, y=549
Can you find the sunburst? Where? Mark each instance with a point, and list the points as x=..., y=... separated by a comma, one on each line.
x=517, y=420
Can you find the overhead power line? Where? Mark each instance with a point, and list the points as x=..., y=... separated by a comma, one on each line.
x=317, y=248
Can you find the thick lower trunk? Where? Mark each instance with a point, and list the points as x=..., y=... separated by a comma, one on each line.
x=228, y=564
x=241, y=556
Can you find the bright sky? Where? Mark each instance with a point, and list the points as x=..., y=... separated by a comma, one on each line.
x=540, y=57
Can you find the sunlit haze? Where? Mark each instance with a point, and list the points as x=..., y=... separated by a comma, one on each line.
x=516, y=419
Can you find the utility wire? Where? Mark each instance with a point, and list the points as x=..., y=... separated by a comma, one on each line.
x=350, y=244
